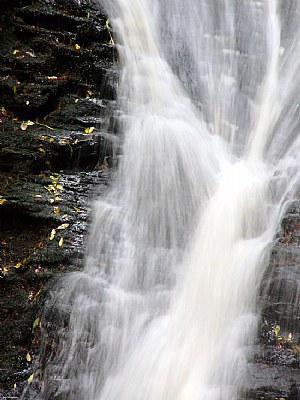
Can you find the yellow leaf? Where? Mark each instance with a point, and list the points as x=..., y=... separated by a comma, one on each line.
x=28, y=357
x=27, y=103
x=54, y=178
x=15, y=89
x=5, y=269
x=60, y=243
x=60, y=187
x=42, y=150
x=53, y=233
x=51, y=140
x=2, y=201
x=58, y=198
x=89, y=129
x=18, y=265
x=36, y=323
x=63, y=226
x=16, y=51
x=77, y=47
x=30, y=379
x=56, y=210
x=76, y=101
x=51, y=201
x=63, y=141
x=277, y=329
x=15, y=385
x=52, y=78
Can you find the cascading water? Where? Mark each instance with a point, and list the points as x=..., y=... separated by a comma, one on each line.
x=165, y=308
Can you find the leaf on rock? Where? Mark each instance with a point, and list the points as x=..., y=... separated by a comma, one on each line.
x=53, y=233
x=63, y=226
x=36, y=323
x=89, y=130
x=56, y=210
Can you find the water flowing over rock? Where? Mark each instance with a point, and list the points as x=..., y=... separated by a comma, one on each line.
x=190, y=286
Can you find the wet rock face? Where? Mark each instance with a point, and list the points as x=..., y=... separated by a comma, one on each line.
x=275, y=369
x=58, y=79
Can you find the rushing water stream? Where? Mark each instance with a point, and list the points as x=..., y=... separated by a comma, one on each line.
x=165, y=308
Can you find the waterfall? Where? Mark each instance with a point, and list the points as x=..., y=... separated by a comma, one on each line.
x=166, y=306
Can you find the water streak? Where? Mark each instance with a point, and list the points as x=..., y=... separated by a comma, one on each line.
x=165, y=308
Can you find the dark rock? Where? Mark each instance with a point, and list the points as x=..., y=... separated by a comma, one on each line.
x=57, y=140
x=275, y=371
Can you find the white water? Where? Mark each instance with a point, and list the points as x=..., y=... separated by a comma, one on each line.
x=209, y=101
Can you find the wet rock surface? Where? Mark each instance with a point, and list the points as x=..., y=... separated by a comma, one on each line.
x=275, y=370
x=58, y=79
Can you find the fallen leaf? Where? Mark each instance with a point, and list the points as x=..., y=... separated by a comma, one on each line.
x=77, y=47
x=4, y=112
x=89, y=129
x=19, y=265
x=53, y=233
x=30, y=379
x=63, y=141
x=42, y=150
x=28, y=357
x=56, y=210
x=2, y=201
x=16, y=51
x=36, y=323
x=60, y=243
x=63, y=226
x=52, y=78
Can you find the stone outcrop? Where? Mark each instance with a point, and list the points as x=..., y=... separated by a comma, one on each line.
x=58, y=82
